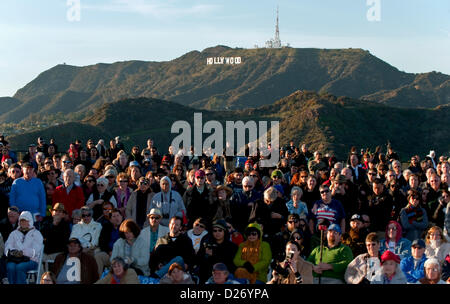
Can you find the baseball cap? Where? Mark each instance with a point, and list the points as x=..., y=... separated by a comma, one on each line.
x=335, y=227
x=418, y=242
x=356, y=217
x=220, y=267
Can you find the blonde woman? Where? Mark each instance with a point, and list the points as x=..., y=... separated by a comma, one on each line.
x=437, y=245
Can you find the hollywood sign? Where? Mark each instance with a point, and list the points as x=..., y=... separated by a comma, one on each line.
x=223, y=60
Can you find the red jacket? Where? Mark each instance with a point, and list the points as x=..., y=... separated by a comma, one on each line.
x=73, y=200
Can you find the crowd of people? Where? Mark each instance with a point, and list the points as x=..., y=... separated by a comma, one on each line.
x=98, y=214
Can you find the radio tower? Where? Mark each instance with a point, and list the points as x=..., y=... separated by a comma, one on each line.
x=277, y=41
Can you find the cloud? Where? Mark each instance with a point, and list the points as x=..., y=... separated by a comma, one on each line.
x=155, y=8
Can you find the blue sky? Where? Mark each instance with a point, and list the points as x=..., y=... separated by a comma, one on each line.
x=412, y=35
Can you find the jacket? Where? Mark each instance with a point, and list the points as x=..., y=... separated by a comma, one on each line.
x=357, y=269
x=130, y=210
x=89, y=269
x=145, y=236
x=88, y=234
x=402, y=247
x=304, y=268
x=166, y=249
x=174, y=208
x=413, y=274
x=187, y=279
x=130, y=277
x=199, y=204
x=73, y=200
x=137, y=254
x=265, y=256
x=399, y=277
x=339, y=257
x=415, y=229
x=55, y=237
x=31, y=245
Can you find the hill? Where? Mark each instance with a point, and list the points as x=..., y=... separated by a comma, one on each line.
x=323, y=121
x=264, y=76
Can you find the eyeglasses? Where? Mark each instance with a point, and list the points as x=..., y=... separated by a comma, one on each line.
x=200, y=225
x=275, y=177
x=100, y=185
x=90, y=181
x=292, y=221
x=372, y=174
x=144, y=183
x=67, y=162
x=123, y=181
x=217, y=230
x=155, y=218
x=253, y=233
x=85, y=215
x=392, y=228
x=253, y=175
x=324, y=191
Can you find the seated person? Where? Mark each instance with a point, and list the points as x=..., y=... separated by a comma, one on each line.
x=413, y=266
x=176, y=275
x=120, y=273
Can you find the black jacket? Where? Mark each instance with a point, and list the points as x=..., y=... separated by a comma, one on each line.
x=55, y=236
x=166, y=249
x=199, y=204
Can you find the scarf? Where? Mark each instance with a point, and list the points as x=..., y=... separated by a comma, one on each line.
x=414, y=214
x=250, y=251
x=428, y=281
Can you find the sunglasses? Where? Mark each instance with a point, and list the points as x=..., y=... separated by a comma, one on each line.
x=324, y=191
x=217, y=230
x=100, y=185
x=208, y=174
x=144, y=183
x=292, y=221
x=253, y=175
x=254, y=233
x=90, y=181
x=123, y=181
x=155, y=217
x=67, y=162
x=85, y=215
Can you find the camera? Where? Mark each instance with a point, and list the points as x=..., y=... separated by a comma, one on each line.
x=290, y=255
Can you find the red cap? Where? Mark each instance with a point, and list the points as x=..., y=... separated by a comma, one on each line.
x=200, y=173
x=388, y=255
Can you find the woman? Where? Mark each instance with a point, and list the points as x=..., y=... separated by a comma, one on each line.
x=176, y=275
x=138, y=205
x=176, y=184
x=122, y=193
x=131, y=248
x=190, y=179
x=437, y=245
x=89, y=186
x=180, y=172
x=295, y=205
x=81, y=170
x=121, y=161
x=432, y=270
x=253, y=256
x=297, y=237
x=120, y=273
x=23, y=249
x=52, y=176
x=93, y=155
x=221, y=196
x=394, y=241
x=413, y=217
x=97, y=198
x=390, y=272
x=294, y=269
x=134, y=173
x=311, y=193
x=215, y=247
x=48, y=278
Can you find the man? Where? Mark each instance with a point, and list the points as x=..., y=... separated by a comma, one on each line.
x=112, y=151
x=10, y=223
x=327, y=209
x=83, y=160
x=168, y=201
x=87, y=231
x=28, y=193
x=67, y=163
x=55, y=230
x=236, y=184
x=119, y=144
x=75, y=266
x=221, y=275
x=279, y=241
x=197, y=232
x=364, y=267
x=358, y=173
x=316, y=164
x=152, y=233
x=171, y=248
x=242, y=202
x=42, y=146
x=379, y=207
x=69, y=194
x=307, y=155
x=108, y=236
x=198, y=200
x=30, y=156
x=293, y=170
x=413, y=265
x=397, y=167
x=415, y=166
x=146, y=151
x=329, y=267
x=356, y=236
x=211, y=177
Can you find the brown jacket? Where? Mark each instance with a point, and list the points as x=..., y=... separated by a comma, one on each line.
x=89, y=269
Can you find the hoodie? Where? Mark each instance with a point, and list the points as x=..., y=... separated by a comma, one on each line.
x=402, y=246
x=170, y=204
x=30, y=243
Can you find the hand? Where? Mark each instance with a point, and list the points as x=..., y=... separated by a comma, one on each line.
x=317, y=269
x=293, y=267
x=325, y=266
x=19, y=253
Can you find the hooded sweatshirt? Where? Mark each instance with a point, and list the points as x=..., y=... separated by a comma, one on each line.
x=30, y=243
x=170, y=204
x=402, y=246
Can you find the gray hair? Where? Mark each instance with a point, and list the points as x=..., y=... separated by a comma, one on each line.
x=297, y=189
x=76, y=213
x=270, y=194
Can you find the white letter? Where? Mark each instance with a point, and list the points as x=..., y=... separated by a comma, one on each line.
x=198, y=134
x=73, y=273
x=275, y=145
x=216, y=137
x=237, y=60
x=240, y=127
x=74, y=12
x=374, y=12
x=184, y=138
x=209, y=60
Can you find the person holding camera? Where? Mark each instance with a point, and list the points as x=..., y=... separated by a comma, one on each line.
x=216, y=247
x=294, y=269
x=168, y=201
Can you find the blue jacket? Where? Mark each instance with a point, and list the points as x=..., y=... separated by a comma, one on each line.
x=402, y=248
x=413, y=274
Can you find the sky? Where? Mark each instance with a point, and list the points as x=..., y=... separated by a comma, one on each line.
x=411, y=35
